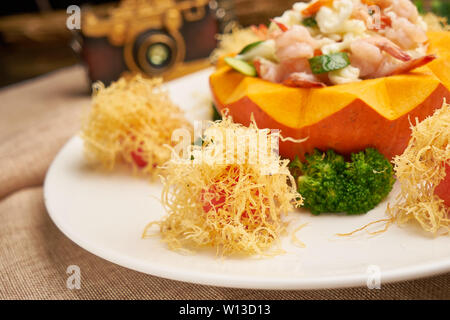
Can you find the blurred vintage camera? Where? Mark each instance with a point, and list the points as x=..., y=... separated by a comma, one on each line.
x=152, y=37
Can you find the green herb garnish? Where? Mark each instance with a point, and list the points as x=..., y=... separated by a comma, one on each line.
x=309, y=22
x=329, y=62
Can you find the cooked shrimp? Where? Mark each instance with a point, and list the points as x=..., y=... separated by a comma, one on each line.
x=294, y=47
x=295, y=66
x=267, y=70
x=361, y=12
x=389, y=68
x=295, y=43
x=366, y=54
x=402, y=8
x=366, y=57
x=294, y=73
x=405, y=8
x=302, y=80
x=406, y=34
x=389, y=47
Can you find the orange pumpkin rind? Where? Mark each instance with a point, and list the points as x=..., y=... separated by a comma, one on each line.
x=347, y=118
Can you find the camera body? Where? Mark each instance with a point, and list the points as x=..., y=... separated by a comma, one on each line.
x=148, y=37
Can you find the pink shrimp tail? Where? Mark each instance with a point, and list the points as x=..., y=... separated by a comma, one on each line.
x=396, y=52
x=389, y=47
x=280, y=25
x=413, y=64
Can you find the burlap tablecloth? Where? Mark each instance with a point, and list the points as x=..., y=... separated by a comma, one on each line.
x=36, y=119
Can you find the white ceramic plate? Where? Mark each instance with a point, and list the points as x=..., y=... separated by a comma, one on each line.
x=106, y=214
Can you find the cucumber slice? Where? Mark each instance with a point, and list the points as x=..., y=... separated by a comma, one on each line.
x=264, y=49
x=250, y=46
x=329, y=62
x=241, y=66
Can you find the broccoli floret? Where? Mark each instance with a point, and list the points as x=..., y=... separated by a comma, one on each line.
x=330, y=184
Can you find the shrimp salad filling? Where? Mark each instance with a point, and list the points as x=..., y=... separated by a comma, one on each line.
x=328, y=42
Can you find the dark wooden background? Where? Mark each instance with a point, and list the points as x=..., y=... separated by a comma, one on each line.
x=256, y=11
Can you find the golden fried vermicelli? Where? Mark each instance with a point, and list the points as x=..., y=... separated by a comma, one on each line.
x=420, y=169
x=233, y=42
x=131, y=120
x=435, y=23
x=235, y=208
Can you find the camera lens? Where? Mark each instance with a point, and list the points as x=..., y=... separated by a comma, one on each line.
x=153, y=52
x=159, y=55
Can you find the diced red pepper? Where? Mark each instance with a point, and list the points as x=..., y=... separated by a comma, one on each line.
x=318, y=52
x=137, y=155
x=217, y=202
x=137, y=158
x=385, y=21
x=216, y=198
